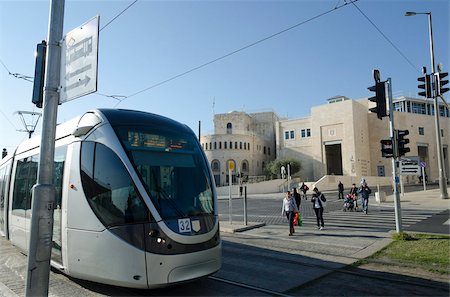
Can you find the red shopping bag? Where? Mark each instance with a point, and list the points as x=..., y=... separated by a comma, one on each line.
x=295, y=219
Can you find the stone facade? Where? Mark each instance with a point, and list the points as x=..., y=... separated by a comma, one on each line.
x=340, y=138
x=247, y=140
x=345, y=134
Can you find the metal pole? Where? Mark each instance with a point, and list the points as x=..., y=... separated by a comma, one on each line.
x=245, y=205
x=440, y=151
x=423, y=179
x=398, y=210
x=289, y=177
x=41, y=229
x=230, y=200
x=199, y=129
x=402, y=186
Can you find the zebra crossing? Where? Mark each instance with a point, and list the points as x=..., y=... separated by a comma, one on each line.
x=378, y=218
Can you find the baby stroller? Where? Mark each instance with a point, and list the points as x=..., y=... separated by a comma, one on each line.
x=349, y=203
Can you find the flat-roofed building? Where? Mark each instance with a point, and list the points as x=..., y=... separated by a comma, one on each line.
x=338, y=138
x=246, y=140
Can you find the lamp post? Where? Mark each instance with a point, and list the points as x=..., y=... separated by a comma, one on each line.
x=440, y=152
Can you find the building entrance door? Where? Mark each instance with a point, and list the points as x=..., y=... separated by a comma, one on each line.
x=333, y=155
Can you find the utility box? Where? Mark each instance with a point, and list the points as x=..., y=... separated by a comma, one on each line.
x=380, y=196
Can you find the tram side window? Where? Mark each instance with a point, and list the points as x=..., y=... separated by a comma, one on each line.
x=60, y=157
x=108, y=187
x=2, y=195
x=25, y=179
x=2, y=187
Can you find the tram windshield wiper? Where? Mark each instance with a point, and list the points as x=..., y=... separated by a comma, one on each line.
x=171, y=202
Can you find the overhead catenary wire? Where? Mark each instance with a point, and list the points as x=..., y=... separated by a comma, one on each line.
x=118, y=15
x=387, y=38
x=9, y=121
x=235, y=51
x=17, y=75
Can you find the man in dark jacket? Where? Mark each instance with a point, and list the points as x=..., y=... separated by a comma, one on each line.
x=364, y=192
x=341, y=190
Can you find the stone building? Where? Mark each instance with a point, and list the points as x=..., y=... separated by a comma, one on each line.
x=246, y=140
x=343, y=138
x=338, y=138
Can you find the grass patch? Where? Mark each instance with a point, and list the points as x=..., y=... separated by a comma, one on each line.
x=431, y=252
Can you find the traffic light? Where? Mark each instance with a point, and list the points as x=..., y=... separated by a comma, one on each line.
x=39, y=74
x=440, y=83
x=426, y=86
x=380, y=99
x=387, y=149
x=402, y=142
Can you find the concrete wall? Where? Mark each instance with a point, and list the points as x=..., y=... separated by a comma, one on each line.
x=326, y=183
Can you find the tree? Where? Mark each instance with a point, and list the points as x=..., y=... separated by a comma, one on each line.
x=273, y=168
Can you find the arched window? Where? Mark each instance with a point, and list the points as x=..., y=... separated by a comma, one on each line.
x=215, y=165
x=229, y=128
x=244, y=166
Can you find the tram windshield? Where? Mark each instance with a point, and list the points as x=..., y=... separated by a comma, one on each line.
x=172, y=168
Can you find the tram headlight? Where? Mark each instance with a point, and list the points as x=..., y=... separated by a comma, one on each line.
x=160, y=240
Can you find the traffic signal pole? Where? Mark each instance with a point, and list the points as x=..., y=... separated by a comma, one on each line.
x=395, y=160
x=41, y=229
x=440, y=150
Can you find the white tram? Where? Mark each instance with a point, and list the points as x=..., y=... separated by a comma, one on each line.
x=135, y=200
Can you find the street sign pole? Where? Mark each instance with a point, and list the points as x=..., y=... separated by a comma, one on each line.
x=230, y=200
x=230, y=184
x=41, y=229
x=423, y=179
x=398, y=211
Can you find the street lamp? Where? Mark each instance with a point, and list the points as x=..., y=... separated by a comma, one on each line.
x=440, y=152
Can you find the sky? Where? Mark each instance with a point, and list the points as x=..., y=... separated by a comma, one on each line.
x=251, y=56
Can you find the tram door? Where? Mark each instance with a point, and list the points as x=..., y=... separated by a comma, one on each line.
x=24, y=178
x=3, y=199
x=60, y=157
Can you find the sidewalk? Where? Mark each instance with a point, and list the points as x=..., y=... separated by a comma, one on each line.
x=429, y=199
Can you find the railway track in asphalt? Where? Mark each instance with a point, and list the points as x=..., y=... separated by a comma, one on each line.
x=351, y=272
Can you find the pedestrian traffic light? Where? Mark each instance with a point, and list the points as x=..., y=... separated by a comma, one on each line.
x=39, y=73
x=425, y=86
x=387, y=149
x=380, y=99
x=402, y=142
x=441, y=83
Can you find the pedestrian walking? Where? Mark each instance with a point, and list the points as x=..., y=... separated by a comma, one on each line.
x=318, y=200
x=289, y=210
x=297, y=197
x=304, y=188
x=341, y=190
x=364, y=192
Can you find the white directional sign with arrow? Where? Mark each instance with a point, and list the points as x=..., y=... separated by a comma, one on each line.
x=410, y=166
x=79, y=59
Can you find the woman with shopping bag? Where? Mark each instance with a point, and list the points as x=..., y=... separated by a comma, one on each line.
x=289, y=210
